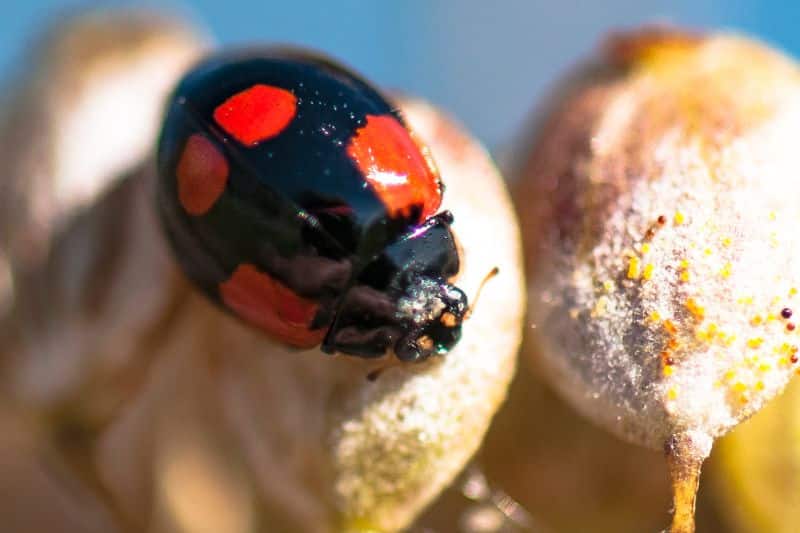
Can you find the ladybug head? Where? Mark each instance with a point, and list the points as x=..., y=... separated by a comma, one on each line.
x=434, y=310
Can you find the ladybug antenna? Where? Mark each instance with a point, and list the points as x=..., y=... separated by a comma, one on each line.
x=492, y=273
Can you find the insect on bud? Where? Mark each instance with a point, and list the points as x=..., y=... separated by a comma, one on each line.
x=657, y=208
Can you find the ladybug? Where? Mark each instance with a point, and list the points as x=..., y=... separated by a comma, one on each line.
x=295, y=196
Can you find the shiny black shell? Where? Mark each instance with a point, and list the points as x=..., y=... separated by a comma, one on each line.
x=287, y=185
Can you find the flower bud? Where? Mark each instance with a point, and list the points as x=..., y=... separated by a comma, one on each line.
x=658, y=209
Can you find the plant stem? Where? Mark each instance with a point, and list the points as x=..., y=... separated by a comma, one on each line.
x=685, y=455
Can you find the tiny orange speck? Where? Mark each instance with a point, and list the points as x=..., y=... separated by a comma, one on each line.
x=695, y=308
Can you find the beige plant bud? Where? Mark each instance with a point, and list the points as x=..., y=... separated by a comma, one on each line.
x=182, y=418
x=659, y=213
x=81, y=116
x=83, y=111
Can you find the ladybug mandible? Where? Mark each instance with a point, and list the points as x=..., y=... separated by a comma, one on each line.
x=296, y=198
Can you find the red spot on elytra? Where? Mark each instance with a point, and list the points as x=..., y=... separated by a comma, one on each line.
x=270, y=305
x=397, y=169
x=256, y=114
x=202, y=174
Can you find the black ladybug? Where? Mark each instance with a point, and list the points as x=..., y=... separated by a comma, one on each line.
x=295, y=197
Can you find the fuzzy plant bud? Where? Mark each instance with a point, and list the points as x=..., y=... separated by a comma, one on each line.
x=659, y=211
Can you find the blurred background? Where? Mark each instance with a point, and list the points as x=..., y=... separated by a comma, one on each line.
x=485, y=62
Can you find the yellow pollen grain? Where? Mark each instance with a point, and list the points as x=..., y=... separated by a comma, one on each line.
x=679, y=218
x=645, y=248
x=707, y=251
x=739, y=387
x=648, y=271
x=608, y=285
x=600, y=307
x=729, y=375
x=783, y=361
x=668, y=371
x=634, y=268
x=792, y=291
x=759, y=385
x=672, y=393
x=725, y=272
x=726, y=242
x=772, y=215
x=745, y=300
x=685, y=276
x=755, y=342
x=772, y=317
x=756, y=320
x=764, y=367
x=684, y=264
x=753, y=360
x=727, y=340
x=654, y=316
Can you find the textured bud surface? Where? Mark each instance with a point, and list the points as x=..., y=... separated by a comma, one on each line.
x=660, y=213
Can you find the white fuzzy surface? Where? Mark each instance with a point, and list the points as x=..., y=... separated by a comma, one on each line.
x=679, y=330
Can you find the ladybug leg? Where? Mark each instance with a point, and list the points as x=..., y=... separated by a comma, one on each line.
x=365, y=324
x=402, y=300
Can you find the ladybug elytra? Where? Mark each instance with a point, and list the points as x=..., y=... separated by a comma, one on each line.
x=296, y=198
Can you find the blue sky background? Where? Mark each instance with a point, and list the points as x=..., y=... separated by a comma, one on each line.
x=485, y=61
